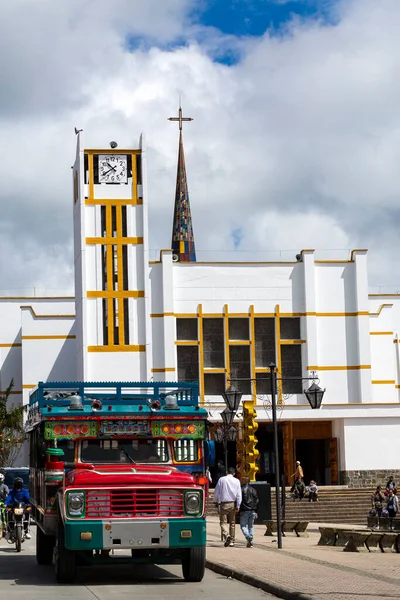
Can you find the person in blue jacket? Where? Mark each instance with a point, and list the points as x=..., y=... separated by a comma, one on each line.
x=19, y=494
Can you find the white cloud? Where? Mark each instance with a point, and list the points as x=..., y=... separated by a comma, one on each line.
x=297, y=145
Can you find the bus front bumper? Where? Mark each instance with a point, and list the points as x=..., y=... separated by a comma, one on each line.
x=134, y=534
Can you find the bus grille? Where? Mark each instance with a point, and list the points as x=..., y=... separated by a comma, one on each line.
x=129, y=503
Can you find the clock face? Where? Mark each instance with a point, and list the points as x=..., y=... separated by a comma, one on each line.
x=113, y=168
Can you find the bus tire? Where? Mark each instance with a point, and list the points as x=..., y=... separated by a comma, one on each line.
x=64, y=559
x=194, y=563
x=44, y=547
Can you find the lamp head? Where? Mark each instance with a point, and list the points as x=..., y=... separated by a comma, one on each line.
x=314, y=395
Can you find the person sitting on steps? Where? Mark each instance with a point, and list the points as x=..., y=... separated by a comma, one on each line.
x=313, y=491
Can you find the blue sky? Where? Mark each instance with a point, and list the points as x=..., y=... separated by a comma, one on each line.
x=254, y=17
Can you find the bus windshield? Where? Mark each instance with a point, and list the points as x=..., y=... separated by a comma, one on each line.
x=124, y=451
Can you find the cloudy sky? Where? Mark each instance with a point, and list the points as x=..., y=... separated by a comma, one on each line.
x=295, y=141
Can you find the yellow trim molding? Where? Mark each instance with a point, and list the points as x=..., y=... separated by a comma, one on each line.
x=114, y=202
x=201, y=351
x=339, y=368
x=356, y=250
x=13, y=392
x=381, y=333
x=166, y=370
x=49, y=337
x=116, y=294
x=114, y=240
x=382, y=306
x=13, y=345
x=187, y=343
x=288, y=342
x=383, y=381
x=278, y=350
x=117, y=348
x=50, y=316
x=111, y=151
x=166, y=314
x=29, y=386
x=252, y=353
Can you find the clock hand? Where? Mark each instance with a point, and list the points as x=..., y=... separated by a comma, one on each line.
x=106, y=173
x=112, y=168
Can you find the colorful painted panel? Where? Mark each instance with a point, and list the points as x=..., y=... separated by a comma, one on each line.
x=179, y=429
x=116, y=428
x=70, y=430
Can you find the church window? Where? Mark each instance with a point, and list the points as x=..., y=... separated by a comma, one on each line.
x=186, y=329
x=291, y=367
x=213, y=341
x=264, y=331
x=188, y=363
x=290, y=328
x=239, y=363
x=263, y=385
x=214, y=384
x=238, y=329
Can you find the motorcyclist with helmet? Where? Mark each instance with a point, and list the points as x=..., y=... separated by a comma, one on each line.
x=4, y=491
x=19, y=494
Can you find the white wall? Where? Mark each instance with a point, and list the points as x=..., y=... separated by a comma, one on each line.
x=372, y=443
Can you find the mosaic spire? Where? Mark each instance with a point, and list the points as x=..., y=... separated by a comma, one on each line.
x=182, y=230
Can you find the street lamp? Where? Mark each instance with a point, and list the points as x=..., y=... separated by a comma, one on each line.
x=314, y=395
x=232, y=398
x=228, y=432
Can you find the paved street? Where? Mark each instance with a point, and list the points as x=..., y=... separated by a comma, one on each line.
x=303, y=567
x=21, y=578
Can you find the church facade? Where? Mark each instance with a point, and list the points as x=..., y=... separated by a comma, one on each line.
x=221, y=323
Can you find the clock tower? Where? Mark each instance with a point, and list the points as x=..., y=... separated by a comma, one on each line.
x=111, y=264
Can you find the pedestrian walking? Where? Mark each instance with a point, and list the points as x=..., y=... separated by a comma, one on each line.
x=248, y=510
x=298, y=474
x=228, y=498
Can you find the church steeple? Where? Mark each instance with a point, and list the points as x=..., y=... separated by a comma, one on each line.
x=182, y=229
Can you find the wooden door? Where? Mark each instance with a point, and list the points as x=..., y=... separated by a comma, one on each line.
x=333, y=455
x=287, y=467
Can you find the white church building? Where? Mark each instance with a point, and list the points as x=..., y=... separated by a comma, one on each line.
x=177, y=319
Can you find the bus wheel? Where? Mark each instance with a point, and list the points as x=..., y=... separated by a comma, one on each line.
x=194, y=563
x=44, y=547
x=64, y=559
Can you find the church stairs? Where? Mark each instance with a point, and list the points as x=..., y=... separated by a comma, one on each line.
x=337, y=504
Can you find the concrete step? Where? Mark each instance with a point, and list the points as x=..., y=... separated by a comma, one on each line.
x=336, y=504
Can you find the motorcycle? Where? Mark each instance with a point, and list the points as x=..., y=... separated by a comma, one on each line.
x=16, y=520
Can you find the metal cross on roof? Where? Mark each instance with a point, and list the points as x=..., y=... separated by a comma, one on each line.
x=179, y=118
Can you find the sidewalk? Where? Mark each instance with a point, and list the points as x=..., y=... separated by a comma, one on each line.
x=302, y=569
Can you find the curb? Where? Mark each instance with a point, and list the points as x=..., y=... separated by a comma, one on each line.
x=258, y=582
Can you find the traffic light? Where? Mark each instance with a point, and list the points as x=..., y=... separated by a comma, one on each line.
x=250, y=427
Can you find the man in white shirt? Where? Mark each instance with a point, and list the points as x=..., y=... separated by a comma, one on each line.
x=228, y=496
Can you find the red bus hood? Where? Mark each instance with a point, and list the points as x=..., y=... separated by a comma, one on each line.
x=95, y=475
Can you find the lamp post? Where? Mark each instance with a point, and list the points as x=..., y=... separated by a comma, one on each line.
x=228, y=433
x=314, y=396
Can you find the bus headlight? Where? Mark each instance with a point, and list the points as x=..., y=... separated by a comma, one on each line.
x=76, y=504
x=193, y=502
